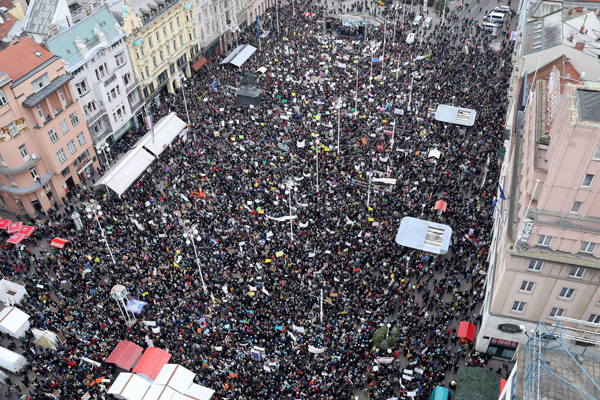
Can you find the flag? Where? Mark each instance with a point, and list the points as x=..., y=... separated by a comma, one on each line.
x=370, y=95
x=257, y=28
x=501, y=192
x=150, y=125
x=375, y=59
x=494, y=205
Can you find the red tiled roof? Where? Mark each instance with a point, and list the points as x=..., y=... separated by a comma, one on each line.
x=7, y=25
x=19, y=58
x=8, y=4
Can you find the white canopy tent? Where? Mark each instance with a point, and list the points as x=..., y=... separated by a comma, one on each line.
x=14, y=322
x=129, y=386
x=198, y=392
x=165, y=131
x=239, y=55
x=126, y=171
x=162, y=392
x=11, y=293
x=176, y=377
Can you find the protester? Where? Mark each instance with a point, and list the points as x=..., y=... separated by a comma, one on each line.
x=239, y=170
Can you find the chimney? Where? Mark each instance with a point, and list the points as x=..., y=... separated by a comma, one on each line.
x=571, y=38
x=579, y=46
x=583, y=25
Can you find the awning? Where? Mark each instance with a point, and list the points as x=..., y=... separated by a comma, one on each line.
x=199, y=64
x=129, y=387
x=440, y=205
x=27, y=230
x=59, y=242
x=4, y=223
x=14, y=227
x=152, y=362
x=16, y=238
x=125, y=354
x=46, y=91
x=165, y=131
x=467, y=330
x=127, y=170
x=239, y=55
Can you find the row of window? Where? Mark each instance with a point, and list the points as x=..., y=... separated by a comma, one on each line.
x=586, y=247
x=188, y=16
x=576, y=272
x=64, y=127
x=565, y=293
x=519, y=307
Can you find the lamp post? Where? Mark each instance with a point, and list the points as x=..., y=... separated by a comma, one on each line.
x=93, y=207
x=290, y=186
x=104, y=147
x=338, y=105
x=191, y=234
x=388, y=330
x=179, y=77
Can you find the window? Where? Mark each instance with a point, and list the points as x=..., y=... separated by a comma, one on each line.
x=566, y=293
x=3, y=100
x=164, y=31
x=120, y=59
x=544, y=240
x=24, y=152
x=518, y=306
x=587, y=247
x=157, y=36
x=594, y=319
x=101, y=71
x=71, y=146
x=147, y=71
x=12, y=180
x=64, y=127
x=527, y=286
x=82, y=159
x=576, y=272
x=53, y=135
x=171, y=26
x=13, y=129
x=40, y=82
x=81, y=138
x=34, y=174
x=65, y=172
x=150, y=41
x=127, y=78
x=597, y=154
x=587, y=180
x=162, y=56
x=61, y=156
x=181, y=40
x=576, y=207
x=178, y=22
x=154, y=61
x=556, y=312
x=40, y=112
x=74, y=119
x=175, y=45
x=63, y=99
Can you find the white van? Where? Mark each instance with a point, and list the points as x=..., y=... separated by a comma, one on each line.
x=417, y=22
x=495, y=17
x=488, y=26
x=427, y=23
x=11, y=361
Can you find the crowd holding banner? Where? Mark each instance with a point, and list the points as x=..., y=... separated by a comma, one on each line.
x=284, y=228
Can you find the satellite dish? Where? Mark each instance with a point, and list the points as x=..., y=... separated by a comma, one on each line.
x=34, y=156
x=582, y=76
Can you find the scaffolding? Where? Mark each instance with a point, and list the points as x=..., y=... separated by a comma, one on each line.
x=556, y=363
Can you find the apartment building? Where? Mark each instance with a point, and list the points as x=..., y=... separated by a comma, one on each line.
x=45, y=146
x=218, y=22
x=95, y=54
x=162, y=39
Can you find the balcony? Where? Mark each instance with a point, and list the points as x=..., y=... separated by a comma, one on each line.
x=136, y=104
x=172, y=58
x=102, y=136
x=15, y=170
x=131, y=86
x=141, y=61
x=90, y=119
x=110, y=80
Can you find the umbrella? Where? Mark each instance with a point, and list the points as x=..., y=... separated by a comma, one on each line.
x=14, y=227
x=466, y=330
x=4, y=223
x=16, y=238
x=59, y=242
x=27, y=230
x=441, y=205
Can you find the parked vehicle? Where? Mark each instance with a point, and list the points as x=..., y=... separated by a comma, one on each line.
x=417, y=21
x=11, y=361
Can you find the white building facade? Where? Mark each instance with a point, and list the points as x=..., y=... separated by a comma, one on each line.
x=95, y=53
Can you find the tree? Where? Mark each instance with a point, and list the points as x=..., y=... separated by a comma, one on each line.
x=252, y=41
x=439, y=4
x=379, y=336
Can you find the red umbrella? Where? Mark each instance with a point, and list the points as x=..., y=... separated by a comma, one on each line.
x=441, y=205
x=27, y=230
x=14, y=227
x=4, y=223
x=59, y=242
x=467, y=330
x=16, y=238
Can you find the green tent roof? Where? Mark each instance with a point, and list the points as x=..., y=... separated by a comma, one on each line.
x=475, y=383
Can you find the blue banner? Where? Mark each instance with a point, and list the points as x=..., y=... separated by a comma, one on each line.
x=257, y=28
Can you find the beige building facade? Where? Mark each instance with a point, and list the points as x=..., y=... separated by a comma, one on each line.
x=45, y=146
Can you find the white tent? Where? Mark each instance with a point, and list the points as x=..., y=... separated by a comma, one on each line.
x=162, y=392
x=239, y=55
x=165, y=131
x=176, y=377
x=126, y=171
x=46, y=338
x=129, y=386
x=198, y=392
x=11, y=293
x=14, y=322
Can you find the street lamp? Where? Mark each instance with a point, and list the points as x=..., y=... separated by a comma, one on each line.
x=338, y=105
x=93, y=207
x=179, y=77
x=191, y=234
x=104, y=147
x=388, y=330
x=290, y=186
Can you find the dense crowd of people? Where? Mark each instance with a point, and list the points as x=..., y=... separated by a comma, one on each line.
x=285, y=218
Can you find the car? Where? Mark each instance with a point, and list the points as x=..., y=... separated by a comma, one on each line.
x=488, y=26
x=495, y=17
x=502, y=9
x=427, y=23
x=7, y=246
x=411, y=38
x=381, y=3
x=417, y=21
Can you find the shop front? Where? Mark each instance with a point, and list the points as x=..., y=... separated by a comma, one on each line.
x=501, y=348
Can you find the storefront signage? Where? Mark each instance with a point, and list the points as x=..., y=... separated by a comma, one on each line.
x=504, y=342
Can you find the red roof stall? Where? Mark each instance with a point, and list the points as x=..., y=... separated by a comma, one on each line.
x=4, y=223
x=59, y=242
x=467, y=330
x=125, y=354
x=27, y=230
x=16, y=238
x=152, y=362
x=14, y=227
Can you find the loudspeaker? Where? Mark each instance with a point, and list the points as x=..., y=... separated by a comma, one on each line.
x=328, y=25
x=361, y=30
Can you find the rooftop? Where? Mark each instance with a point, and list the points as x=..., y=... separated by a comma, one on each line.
x=63, y=44
x=40, y=14
x=22, y=57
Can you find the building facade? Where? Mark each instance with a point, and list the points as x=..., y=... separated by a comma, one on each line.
x=545, y=255
x=45, y=146
x=95, y=54
x=162, y=39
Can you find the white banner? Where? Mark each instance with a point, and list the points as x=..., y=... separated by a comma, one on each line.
x=315, y=350
x=281, y=219
x=384, y=360
x=156, y=330
x=298, y=328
